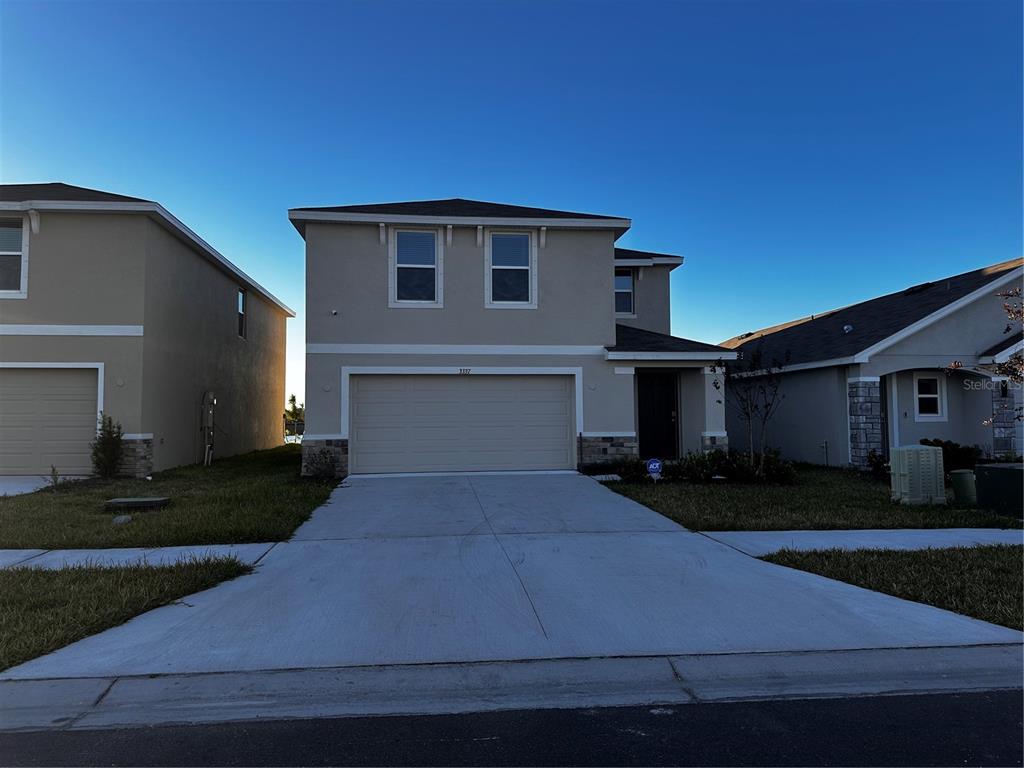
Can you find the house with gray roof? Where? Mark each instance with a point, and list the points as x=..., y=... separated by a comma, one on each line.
x=911, y=365
x=460, y=335
x=110, y=304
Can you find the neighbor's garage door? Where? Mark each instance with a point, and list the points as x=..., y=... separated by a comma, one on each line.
x=440, y=423
x=47, y=418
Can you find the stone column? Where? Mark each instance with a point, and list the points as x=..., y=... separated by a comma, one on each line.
x=137, y=460
x=865, y=407
x=324, y=458
x=1004, y=418
x=713, y=436
x=602, y=449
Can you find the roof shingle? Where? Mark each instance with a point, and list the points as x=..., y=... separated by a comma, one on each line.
x=456, y=206
x=18, y=193
x=629, y=339
x=847, y=331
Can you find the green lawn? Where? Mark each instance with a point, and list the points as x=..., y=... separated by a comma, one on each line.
x=984, y=582
x=43, y=610
x=822, y=498
x=250, y=498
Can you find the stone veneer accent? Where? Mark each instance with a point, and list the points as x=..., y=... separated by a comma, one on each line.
x=710, y=443
x=598, y=450
x=137, y=460
x=338, y=450
x=1004, y=421
x=865, y=421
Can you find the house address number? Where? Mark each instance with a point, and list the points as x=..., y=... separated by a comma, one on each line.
x=465, y=371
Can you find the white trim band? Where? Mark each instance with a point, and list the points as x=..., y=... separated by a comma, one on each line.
x=608, y=434
x=451, y=349
x=21, y=329
x=723, y=355
x=863, y=379
x=137, y=436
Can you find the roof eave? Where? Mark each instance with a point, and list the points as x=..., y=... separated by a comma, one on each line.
x=299, y=216
x=709, y=356
x=162, y=215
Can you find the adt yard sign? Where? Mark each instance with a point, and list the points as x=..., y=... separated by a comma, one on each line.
x=654, y=468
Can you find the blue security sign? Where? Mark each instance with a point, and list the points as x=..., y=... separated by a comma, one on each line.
x=654, y=468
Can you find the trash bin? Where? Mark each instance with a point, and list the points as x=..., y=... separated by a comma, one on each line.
x=963, y=487
x=1000, y=487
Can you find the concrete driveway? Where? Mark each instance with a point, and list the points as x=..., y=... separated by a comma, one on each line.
x=500, y=567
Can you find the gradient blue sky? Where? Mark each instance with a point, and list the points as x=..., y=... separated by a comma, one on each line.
x=801, y=155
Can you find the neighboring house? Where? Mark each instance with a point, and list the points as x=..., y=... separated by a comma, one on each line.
x=455, y=335
x=109, y=303
x=877, y=374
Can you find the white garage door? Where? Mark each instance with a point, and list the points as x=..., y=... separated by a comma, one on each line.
x=438, y=423
x=47, y=417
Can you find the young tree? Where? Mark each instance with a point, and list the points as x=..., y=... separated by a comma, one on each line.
x=753, y=388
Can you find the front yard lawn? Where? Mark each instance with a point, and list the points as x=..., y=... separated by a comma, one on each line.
x=821, y=499
x=254, y=497
x=984, y=582
x=42, y=610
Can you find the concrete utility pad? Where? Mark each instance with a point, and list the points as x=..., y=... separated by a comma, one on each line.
x=496, y=568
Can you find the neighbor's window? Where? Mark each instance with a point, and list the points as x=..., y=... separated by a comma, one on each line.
x=624, y=291
x=511, y=279
x=11, y=256
x=416, y=267
x=241, y=313
x=929, y=398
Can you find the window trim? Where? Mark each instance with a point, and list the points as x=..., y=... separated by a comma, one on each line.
x=940, y=397
x=242, y=313
x=22, y=291
x=632, y=291
x=489, y=303
x=393, y=301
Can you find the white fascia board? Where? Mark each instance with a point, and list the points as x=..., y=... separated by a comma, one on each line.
x=452, y=349
x=458, y=221
x=166, y=218
x=660, y=261
x=1006, y=354
x=670, y=356
x=924, y=322
x=799, y=367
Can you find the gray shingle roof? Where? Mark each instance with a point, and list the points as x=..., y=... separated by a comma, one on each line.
x=845, y=332
x=629, y=339
x=456, y=206
x=17, y=193
x=629, y=253
x=1003, y=344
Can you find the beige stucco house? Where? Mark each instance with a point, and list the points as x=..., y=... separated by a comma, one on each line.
x=911, y=365
x=456, y=335
x=109, y=303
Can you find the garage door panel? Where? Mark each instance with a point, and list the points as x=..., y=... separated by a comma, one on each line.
x=461, y=423
x=47, y=417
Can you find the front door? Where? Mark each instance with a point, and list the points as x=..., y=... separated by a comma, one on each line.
x=658, y=404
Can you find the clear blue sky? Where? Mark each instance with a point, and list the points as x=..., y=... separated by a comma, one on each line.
x=801, y=155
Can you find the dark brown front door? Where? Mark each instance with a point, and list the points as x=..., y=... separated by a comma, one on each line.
x=657, y=404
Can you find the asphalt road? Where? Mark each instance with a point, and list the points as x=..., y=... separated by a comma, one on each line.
x=960, y=729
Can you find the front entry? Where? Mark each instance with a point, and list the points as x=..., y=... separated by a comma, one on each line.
x=658, y=414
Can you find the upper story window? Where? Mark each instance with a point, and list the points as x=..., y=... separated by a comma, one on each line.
x=624, y=300
x=415, y=268
x=13, y=260
x=241, y=313
x=510, y=272
x=929, y=397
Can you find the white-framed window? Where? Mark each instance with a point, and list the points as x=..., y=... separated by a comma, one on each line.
x=929, y=397
x=624, y=294
x=13, y=259
x=415, y=268
x=510, y=270
x=242, y=300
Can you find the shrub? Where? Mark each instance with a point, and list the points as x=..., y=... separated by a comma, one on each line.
x=877, y=465
x=954, y=455
x=108, y=447
x=714, y=466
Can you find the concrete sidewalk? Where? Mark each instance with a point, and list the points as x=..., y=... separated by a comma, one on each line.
x=54, y=559
x=430, y=689
x=757, y=543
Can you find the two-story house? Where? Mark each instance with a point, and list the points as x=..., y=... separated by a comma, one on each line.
x=456, y=335
x=110, y=304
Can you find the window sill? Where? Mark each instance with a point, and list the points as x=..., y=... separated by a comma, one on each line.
x=13, y=294
x=924, y=419
x=395, y=304
x=626, y=315
x=510, y=305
